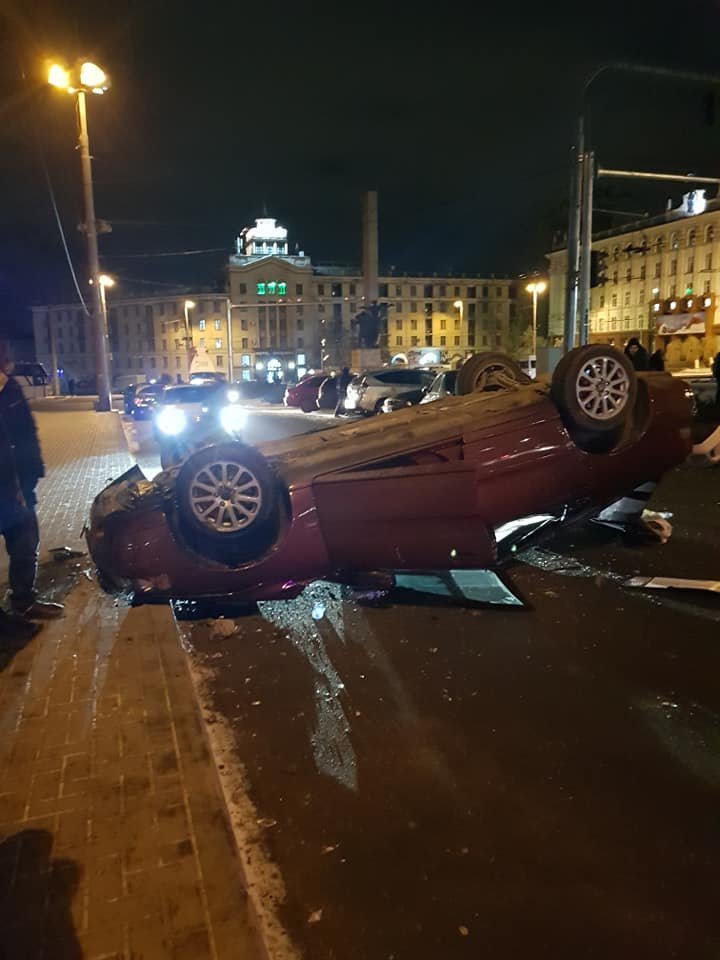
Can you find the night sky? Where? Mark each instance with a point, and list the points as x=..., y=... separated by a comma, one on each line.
x=461, y=118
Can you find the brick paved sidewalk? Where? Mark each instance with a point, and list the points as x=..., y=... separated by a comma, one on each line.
x=114, y=840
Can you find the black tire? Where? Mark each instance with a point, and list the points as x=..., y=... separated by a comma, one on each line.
x=488, y=373
x=307, y=406
x=239, y=527
x=595, y=390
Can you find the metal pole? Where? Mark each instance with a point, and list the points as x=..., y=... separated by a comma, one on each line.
x=586, y=252
x=534, y=332
x=53, y=357
x=188, y=341
x=230, y=341
x=643, y=175
x=102, y=372
x=573, y=261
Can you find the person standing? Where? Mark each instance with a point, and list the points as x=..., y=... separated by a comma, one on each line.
x=657, y=360
x=716, y=374
x=343, y=382
x=21, y=467
x=637, y=354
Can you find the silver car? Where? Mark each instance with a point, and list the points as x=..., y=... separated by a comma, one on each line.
x=367, y=392
x=442, y=386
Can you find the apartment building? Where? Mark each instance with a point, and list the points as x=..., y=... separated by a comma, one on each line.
x=660, y=283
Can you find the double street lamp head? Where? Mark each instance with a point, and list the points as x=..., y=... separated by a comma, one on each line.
x=538, y=286
x=85, y=76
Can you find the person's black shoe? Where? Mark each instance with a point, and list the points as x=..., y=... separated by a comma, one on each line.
x=41, y=610
x=15, y=630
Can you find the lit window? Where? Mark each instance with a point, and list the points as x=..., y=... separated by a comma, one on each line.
x=656, y=308
x=201, y=324
x=218, y=343
x=260, y=287
x=218, y=324
x=271, y=288
x=673, y=304
x=282, y=288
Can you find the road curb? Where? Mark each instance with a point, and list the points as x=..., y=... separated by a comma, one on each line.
x=259, y=874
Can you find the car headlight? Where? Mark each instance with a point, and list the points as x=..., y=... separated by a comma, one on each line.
x=171, y=421
x=233, y=396
x=232, y=418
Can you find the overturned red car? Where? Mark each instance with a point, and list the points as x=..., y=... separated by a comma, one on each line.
x=443, y=485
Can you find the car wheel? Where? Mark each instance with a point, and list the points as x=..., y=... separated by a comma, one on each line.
x=489, y=372
x=595, y=389
x=307, y=406
x=226, y=497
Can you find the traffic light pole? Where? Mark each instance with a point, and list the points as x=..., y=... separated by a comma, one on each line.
x=573, y=259
x=580, y=217
x=586, y=248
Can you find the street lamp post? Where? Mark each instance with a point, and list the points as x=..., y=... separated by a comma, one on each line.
x=459, y=306
x=89, y=78
x=106, y=283
x=535, y=288
x=188, y=305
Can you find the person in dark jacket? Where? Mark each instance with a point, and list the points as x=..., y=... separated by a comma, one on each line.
x=637, y=354
x=716, y=374
x=343, y=382
x=21, y=467
x=657, y=360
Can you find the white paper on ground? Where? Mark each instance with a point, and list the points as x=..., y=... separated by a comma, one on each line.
x=679, y=583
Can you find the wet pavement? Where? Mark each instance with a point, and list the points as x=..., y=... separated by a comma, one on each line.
x=430, y=781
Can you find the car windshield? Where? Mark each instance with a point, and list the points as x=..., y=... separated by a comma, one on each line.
x=201, y=393
x=152, y=390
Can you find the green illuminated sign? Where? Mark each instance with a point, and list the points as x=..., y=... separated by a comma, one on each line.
x=272, y=288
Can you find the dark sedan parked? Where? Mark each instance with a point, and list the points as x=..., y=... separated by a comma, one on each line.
x=146, y=399
x=437, y=486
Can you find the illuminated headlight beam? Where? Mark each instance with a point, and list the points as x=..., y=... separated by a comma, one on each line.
x=171, y=421
x=232, y=418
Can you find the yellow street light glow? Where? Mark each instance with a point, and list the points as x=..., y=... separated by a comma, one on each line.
x=538, y=287
x=106, y=281
x=458, y=304
x=93, y=76
x=58, y=77
x=190, y=304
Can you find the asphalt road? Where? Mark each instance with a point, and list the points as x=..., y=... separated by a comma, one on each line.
x=433, y=781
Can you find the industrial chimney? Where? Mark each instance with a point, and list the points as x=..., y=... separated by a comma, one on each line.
x=370, y=245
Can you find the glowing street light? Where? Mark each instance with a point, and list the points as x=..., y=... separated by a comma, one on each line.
x=83, y=79
x=535, y=288
x=93, y=77
x=106, y=283
x=58, y=77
